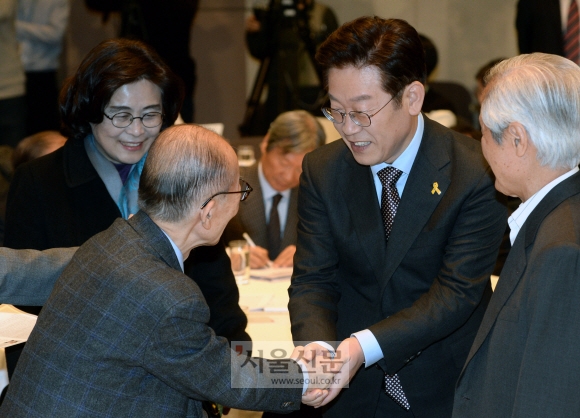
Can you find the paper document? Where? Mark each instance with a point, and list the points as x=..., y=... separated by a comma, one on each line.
x=274, y=273
x=15, y=328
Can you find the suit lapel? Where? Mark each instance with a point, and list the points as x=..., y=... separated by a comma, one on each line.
x=155, y=238
x=361, y=200
x=517, y=259
x=289, y=237
x=418, y=202
x=254, y=214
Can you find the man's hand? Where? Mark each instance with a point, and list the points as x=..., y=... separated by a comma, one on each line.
x=321, y=369
x=350, y=356
x=286, y=257
x=258, y=257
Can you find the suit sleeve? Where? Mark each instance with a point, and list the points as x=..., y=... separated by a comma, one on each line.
x=25, y=213
x=550, y=371
x=186, y=354
x=28, y=276
x=314, y=292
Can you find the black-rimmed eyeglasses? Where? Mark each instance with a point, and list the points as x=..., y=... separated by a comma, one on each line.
x=245, y=190
x=124, y=119
x=362, y=119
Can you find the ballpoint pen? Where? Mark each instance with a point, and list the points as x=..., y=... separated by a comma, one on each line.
x=251, y=243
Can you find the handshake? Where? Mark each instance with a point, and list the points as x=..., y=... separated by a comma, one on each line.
x=328, y=373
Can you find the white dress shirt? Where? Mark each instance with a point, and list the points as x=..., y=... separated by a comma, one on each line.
x=268, y=194
x=516, y=221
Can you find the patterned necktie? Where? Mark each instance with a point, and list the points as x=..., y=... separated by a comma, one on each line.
x=389, y=197
x=389, y=203
x=274, y=229
x=572, y=35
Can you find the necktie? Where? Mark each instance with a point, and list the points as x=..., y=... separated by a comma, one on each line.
x=389, y=203
x=390, y=196
x=274, y=229
x=572, y=35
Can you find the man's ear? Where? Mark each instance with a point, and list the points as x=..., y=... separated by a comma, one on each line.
x=415, y=94
x=518, y=137
x=207, y=213
x=264, y=143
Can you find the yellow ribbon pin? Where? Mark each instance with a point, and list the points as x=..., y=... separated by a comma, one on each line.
x=435, y=188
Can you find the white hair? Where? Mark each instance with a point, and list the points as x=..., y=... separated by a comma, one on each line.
x=542, y=92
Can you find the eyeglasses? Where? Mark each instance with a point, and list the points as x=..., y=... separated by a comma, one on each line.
x=245, y=190
x=360, y=118
x=124, y=119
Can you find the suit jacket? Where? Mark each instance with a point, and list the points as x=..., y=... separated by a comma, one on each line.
x=59, y=200
x=125, y=333
x=525, y=361
x=251, y=216
x=27, y=276
x=539, y=27
x=424, y=293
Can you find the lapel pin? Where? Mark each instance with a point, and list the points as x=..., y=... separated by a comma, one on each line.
x=435, y=188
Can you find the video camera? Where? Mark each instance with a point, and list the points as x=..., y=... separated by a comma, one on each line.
x=281, y=9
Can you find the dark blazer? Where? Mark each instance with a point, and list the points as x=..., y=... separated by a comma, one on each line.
x=59, y=200
x=424, y=293
x=125, y=333
x=251, y=217
x=539, y=27
x=525, y=361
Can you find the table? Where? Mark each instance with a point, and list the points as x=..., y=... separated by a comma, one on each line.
x=269, y=328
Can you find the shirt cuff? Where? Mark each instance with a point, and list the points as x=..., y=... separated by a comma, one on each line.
x=370, y=346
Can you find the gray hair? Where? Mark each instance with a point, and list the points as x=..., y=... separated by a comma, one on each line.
x=186, y=164
x=295, y=131
x=542, y=92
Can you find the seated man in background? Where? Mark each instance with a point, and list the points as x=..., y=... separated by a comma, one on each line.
x=270, y=218
x=125, y=331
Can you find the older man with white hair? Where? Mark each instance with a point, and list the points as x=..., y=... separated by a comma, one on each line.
x=525, y=361
x=124, y=332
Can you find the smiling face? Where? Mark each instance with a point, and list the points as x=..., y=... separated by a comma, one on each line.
x=391, y=129
x=128, y=145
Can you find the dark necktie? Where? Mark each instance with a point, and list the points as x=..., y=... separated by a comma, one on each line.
x=572, y=35
x=389, y=203
x=274, y=229
x=389, y=197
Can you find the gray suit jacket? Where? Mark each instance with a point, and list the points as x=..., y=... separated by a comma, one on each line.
x=525, y=361
x=125, y=333
x=423, y=293
x=251, y=217
x=27, y=276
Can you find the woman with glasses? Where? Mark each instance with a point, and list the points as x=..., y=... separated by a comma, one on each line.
x=112, y=109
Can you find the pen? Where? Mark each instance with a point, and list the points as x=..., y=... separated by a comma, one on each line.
x=251, y=243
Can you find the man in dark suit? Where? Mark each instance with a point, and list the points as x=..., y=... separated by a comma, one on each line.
x=125, y=332
x=525, y=361
x=270, y=218
x=540, y=28
x=414, y=289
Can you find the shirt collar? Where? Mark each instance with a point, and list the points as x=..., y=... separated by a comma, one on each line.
x=518, y=218
x=176, y=249
x=405, y=161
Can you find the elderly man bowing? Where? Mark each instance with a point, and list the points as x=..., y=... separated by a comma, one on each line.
x=525, y=360
x=125, y=332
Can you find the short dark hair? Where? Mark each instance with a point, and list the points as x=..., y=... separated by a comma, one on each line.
x=391, y=45
x=107, y=67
